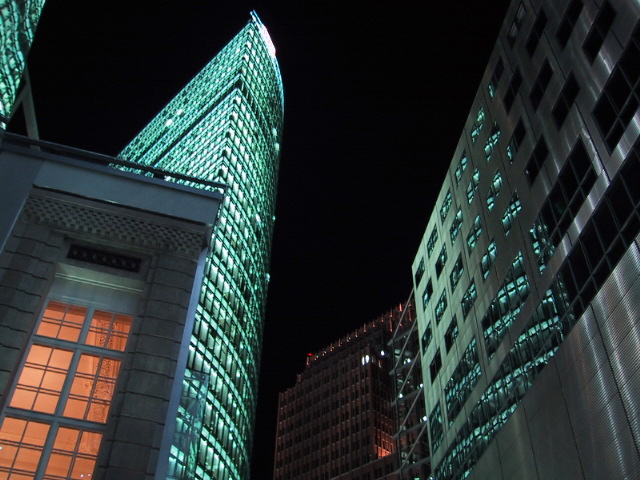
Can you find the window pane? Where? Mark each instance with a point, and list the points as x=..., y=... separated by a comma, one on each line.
x=63, y=321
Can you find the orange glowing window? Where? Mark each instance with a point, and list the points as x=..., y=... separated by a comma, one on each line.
x=92, y=388
x=63, y=321
x=109, y=330
x=21, y=443
x=41, y=379
x=73, y=455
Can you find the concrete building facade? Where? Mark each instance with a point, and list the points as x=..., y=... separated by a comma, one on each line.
x=528, y=274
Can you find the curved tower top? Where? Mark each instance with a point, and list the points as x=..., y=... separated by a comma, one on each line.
x=225, y=126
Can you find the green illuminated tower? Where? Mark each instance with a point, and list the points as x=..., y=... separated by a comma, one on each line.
x=19, y=20
x=225, y=126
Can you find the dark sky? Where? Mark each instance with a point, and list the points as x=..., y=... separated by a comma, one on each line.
x=376, y=95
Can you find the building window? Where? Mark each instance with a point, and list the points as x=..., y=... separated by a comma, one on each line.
x=419, y=272
x=477, y=125
x=569, y=20
x=69, y=377
x=426, y=295
x=436, y=365
x=492, y=141
x=510, y=214
x=469, y=298
x=565, y=100
x=446, y=205
x=620, y=97
x=451, y=334
x=431, y=243
x=462, y=165
x=514, y=30
x=494, y=190
x=495, y=78
x=442, y=260
x=536, y=32
x=474, y=234
x=441, y=307
x=574, y=183
x=456, y=273
x=462, y=382
x=456, y=226
x=538, y=156
x=516, y=140
x=426, y=338
x=435, y=426
x=512, y=90
x=599, y=30
x=540, y=84
x=488, y=258
x=473, y=185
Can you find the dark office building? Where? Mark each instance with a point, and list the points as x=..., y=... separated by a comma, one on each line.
x=336, y=422
x=528, y=276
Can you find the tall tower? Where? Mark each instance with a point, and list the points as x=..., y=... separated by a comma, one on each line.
x=225, y=125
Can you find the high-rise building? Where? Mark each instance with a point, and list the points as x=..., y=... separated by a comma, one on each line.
x=527, y=277
x=19, y=21
x=226, y=125
x=336, y=422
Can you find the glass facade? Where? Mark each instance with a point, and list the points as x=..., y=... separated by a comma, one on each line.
x=19, y=20
x=225, y=126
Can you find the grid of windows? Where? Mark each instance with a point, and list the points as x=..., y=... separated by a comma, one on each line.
x=495, y=78
x=599, y=30
x=620, y=97
x=506, y=305
x=538, y=156
x=462, y=382
x=494, y=190
x=469, y=298
x=477, y=125
x=488, y=258
x=516, y=140
x=510, y=214
x=574, y=183
x=569, y=20
x=512, y=90
x=567, y=96
x=474, y=234
x=473, y=185
x=536, y=32
x=492, y=141
x=456, y=225
x=540, y=84
x=462, y=165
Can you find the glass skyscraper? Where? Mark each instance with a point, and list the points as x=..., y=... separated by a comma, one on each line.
x=225, y=126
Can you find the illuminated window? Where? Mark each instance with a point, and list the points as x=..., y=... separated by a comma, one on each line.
x=473, y=185
x=469, y=298
x=441, y=307
x=431, y=243
x=426, y=338
x=442, y=260
x=488, y=258
x=495, y=78
x=516, y=140
x=474, y=234
x=451, y=334
x=456, y=273
x=419, y=271
x=492, y=141
x=435, y=426
x=509, y=215
x=69, y=373
x=428, y=292
x=462, y=165
x=456, y=226
x=446, y=205
x=477, y=125
x=494, y=190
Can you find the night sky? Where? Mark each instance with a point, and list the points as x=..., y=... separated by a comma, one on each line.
x=375, y=101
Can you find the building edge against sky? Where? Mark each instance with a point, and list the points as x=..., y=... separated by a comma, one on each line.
x=527, y=278
x=226, y=126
